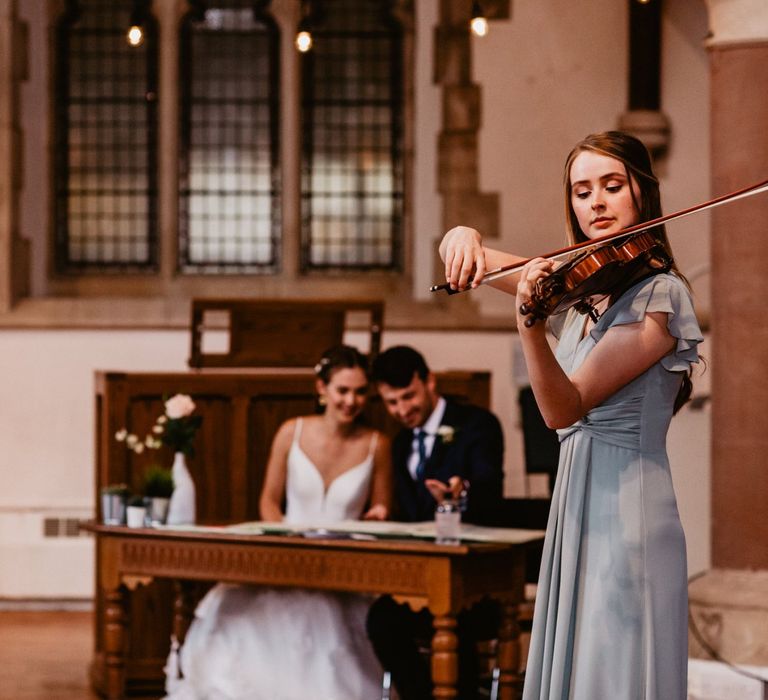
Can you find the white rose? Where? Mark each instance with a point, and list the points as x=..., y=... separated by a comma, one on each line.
x=446, y=432
x=179, y=406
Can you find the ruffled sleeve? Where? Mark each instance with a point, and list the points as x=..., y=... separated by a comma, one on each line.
x=556, y=323
x=668, y=294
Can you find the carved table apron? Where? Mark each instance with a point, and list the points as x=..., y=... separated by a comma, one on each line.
x=445, y=578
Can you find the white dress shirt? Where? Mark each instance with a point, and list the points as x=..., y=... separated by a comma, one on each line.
x=430, y=428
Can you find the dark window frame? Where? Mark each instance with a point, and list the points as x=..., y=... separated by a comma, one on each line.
x=394, y=32
x=138, y=294
x=271, y=34
x=63, y=101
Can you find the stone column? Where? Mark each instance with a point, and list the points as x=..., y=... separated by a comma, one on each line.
x=458, y=181
x=644, y=117
x=738, y=47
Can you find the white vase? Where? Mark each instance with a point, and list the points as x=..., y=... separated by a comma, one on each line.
x=181, y=509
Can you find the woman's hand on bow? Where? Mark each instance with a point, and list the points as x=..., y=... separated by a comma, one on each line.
x=467, y=260
x=464, y=256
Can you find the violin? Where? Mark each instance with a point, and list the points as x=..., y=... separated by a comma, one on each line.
x=603, y=266
x=610, y=268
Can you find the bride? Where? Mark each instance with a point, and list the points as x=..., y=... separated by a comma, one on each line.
x=249, y=643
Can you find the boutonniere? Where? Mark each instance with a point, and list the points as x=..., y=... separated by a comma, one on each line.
x=446, y=433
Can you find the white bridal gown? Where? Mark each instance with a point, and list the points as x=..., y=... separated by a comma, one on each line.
x=249, y=643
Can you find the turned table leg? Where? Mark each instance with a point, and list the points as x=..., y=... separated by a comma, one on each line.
x=183, y=609
x=115, y=627
x=509, y=653
x=445, y=660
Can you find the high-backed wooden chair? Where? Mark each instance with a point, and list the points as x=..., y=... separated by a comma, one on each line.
x=276, y=332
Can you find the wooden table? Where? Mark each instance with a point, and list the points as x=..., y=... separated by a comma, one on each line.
x=445, y=578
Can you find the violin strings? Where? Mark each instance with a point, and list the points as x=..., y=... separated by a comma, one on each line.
x=760, y=187
x=501, y=272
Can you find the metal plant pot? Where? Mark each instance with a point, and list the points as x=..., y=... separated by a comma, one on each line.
x=112, y=508
x=157, y=509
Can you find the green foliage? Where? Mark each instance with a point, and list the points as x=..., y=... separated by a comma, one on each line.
x=178, y=433
x=158, y=482
x=116, y=490
x=136, y=501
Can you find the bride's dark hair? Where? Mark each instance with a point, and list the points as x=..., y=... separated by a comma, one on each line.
x=340, y=357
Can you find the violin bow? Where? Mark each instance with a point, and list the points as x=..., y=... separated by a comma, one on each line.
x=506, y=270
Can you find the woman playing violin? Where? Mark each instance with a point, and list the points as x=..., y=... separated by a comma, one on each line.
x=611, y=609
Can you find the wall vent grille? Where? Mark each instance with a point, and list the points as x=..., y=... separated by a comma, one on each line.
x=63, y=527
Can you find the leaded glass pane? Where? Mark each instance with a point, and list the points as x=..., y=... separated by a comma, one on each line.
x=229, y=175
x=105, y=139
x=352, y=147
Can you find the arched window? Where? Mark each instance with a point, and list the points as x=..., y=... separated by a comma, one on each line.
x=352, y=137
x=229, y=175
x=214, y=159
x=105, y=136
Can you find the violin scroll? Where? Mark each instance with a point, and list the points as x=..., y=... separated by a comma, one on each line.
x=527, y=309
x=539, y=306
x=547, y=293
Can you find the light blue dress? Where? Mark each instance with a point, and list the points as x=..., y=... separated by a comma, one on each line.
x=610, y=620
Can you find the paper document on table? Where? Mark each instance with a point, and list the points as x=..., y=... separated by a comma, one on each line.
x=478, y=533
x=313, y=529
x=387, y=528
x=219, y=529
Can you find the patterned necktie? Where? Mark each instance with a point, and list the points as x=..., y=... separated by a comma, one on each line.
x=421, y=437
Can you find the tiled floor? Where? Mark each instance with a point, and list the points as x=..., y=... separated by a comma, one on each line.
x=44, y=655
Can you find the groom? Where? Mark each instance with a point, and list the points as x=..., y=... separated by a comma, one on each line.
x=444, y=449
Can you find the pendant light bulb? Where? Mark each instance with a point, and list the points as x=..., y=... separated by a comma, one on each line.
x=135, y=35
x=478, y=23
x=303, y=41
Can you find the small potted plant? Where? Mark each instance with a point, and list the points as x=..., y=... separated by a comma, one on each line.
x=136, y=512
x=113, y=499
x=158, y=487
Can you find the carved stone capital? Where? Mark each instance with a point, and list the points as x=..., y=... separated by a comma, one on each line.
x=737, y=22
x=650, y=126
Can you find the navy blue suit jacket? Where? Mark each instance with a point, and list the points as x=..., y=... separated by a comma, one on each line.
x=475, y=453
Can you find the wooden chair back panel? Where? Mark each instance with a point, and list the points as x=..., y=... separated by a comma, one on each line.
x=279, y=333
x=241, y=414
